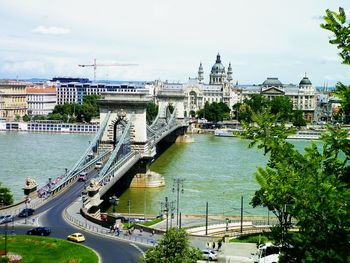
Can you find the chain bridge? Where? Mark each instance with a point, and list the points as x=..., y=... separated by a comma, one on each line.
x=125, y=141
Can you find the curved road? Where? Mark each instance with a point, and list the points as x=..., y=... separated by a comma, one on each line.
x=109, y=250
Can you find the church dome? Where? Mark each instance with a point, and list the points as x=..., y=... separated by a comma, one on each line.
x=305, y=81
x=218, y=67
x=272, y=82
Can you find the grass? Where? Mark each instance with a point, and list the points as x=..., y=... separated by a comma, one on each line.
x=46, y=249
x=257, y=238
x=151, y=222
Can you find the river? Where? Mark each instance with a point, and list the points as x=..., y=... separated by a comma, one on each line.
x=217, y=170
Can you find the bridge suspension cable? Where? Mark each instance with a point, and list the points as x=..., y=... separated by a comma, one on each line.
x=113, y=157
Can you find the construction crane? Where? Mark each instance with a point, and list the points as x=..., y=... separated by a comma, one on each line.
x=95, y=65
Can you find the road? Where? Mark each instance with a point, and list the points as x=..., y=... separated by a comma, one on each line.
x=109, y=250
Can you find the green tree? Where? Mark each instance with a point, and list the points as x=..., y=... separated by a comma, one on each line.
x=281, y=105
x=6, y=197
x=311, y=187
x=26, y=118
x=337, y=23
x=298, y=118
x=151, y=112
x=174, y=247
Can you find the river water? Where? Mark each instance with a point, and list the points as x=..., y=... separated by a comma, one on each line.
x=217, y=170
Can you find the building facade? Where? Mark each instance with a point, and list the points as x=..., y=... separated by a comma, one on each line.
x=197, y=93
x=13, y=100
x=74, y=92
x=302, y=96
x=41, y=100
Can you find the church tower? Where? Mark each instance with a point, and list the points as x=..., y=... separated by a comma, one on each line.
x=229, y=73
x=200, y=73
x=217, y=75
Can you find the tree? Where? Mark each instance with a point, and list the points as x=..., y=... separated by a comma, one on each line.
x=151, y=112
x=26, y=118
x=6, y=197
x=298, y=118
x=311, y=187
x=174, y=247
x=338, y=24
x=281, y=105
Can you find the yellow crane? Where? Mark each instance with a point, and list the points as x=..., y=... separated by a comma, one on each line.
x=95, y=65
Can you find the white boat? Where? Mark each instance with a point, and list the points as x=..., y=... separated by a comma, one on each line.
x=306, y=135
x=224, y=132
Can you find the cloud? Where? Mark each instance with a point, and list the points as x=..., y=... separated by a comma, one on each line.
x=51, y=30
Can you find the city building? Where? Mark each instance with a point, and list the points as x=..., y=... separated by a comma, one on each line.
x=41, y=100
x=197, y=93
x=13, y=100
x=74, y=92
x=302, y=95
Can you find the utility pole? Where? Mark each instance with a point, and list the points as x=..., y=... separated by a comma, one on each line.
x=178, y=183
x=241, y=214
x=206, y=219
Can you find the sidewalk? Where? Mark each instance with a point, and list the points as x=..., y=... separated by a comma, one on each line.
x=229, y=252
x=72, y=214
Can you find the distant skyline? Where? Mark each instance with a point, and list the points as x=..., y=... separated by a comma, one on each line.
x=168, y=39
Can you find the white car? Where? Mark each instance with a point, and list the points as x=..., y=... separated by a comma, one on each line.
x=6, y=219
x=98, y=165
x=209, y=254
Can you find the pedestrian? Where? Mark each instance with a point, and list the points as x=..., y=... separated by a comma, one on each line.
x=110, y=228
x=219, y=244
x=213, y=245
x=152, y=233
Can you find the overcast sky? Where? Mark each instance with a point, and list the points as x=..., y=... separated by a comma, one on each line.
x=169, y=38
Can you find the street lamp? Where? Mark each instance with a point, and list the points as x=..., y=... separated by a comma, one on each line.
x=178, y=183
x=114, y=201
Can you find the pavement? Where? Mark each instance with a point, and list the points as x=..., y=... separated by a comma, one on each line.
x=229, y=252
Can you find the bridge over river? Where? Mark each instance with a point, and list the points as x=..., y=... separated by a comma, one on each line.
x=124, y=145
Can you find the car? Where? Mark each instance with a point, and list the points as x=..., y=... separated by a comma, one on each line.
x=82, y=177
x=39, y=231
x=6, y=219
x=26, y=212
x=98, y=165
x=209, y=254
x=76, y=237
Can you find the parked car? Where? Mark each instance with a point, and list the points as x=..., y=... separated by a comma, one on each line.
x=39, y=231
x=98, y=165
x=26, y=212
x=76, y=237
x=209, y=254
x=6, y=219
x=82, y=177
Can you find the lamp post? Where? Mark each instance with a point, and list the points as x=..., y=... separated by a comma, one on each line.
x=114, y=201
x=26, y=201
x=178, y=184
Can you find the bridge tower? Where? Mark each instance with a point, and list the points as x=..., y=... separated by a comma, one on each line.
x=176, y=99
x=124, y=106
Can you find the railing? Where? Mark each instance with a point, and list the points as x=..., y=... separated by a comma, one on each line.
x=131, y=236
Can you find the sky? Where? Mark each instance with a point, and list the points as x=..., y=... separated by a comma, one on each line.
x=168, y=39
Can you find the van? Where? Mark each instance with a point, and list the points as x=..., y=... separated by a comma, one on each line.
x=98, y=165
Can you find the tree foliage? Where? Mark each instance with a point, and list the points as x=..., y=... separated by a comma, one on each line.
x=76, y=112
x=174, y=247
x=151, y=112
x=337, y=23
x=6, y=197
x=214, y=112
x=310, y=187
x=279, y=105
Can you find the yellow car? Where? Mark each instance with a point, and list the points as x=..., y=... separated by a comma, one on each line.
x=76, y=237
